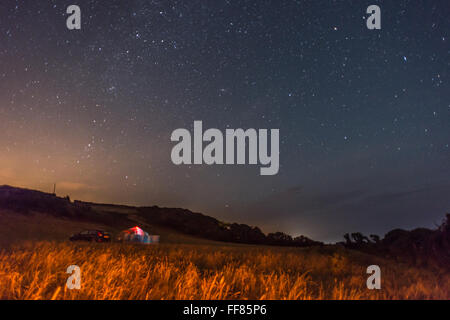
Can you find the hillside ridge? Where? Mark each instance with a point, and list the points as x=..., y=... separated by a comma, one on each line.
x=182, y=220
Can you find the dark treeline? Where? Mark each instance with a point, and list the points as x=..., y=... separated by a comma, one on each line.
x=200, y=225
x=421, y=246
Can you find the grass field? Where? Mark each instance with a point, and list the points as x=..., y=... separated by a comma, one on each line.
x=37, y=270
x=35, y=254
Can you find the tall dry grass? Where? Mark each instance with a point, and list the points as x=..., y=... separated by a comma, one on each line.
x=118, y=271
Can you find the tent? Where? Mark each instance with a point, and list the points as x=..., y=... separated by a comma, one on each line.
x=136, y=234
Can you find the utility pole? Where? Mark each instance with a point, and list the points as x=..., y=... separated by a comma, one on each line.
x=54, y=189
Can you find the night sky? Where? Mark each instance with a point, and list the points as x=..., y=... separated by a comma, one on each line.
x=364, y=115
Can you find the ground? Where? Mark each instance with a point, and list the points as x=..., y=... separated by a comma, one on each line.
x=36, y=254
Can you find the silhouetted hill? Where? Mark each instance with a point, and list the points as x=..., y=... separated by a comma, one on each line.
x=421, y=246
x=26, y=201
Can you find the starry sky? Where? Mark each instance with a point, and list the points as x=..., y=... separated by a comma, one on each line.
x=364, y=115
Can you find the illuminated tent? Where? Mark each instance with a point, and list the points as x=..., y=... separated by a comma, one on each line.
x=136, y=234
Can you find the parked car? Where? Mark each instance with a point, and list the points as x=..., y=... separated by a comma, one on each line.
x=91, y=235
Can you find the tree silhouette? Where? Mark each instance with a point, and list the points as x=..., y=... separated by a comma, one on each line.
x=375, y=238
x=348, y=241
